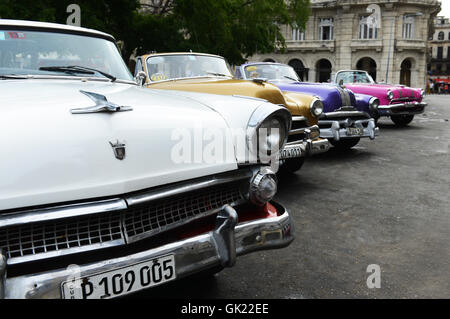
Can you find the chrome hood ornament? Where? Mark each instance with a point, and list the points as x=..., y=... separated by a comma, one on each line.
x=119, y=149
x=102, y=105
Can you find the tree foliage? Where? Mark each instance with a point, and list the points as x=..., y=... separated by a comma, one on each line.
x=235, y=29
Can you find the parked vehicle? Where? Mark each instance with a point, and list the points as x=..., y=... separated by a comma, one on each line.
x=399, y=102
x=92, y=203
x=197, y=72
x=346, y=116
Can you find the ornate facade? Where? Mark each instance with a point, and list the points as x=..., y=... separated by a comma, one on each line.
x=388, y=38
x=439, y=68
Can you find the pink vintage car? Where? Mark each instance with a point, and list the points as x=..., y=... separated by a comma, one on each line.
x=398, y=102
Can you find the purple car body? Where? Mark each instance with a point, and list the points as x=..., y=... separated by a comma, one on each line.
x=346, y=116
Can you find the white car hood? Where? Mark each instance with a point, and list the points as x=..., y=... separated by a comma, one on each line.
x=50, y=155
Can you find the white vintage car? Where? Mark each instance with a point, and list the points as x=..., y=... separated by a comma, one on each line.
x=94, y=202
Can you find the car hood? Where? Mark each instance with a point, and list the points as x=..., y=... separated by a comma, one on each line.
x=298, y=105
x=381, y=90
x=53, y=156
x=329, y=94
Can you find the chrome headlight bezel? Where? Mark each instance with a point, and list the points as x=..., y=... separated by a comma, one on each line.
x=422, y=93
x=316, y=107
x=262, y=115
x=390, y=95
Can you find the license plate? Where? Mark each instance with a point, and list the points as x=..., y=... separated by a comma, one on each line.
x=291, y=152
x=355, y=131
x=122, y=281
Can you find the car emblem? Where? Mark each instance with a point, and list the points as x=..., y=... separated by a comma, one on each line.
x=102, y=105
x=119, y=149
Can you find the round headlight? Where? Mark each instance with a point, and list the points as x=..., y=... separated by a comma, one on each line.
x=374, y=103
x=390, y=95
x=271, y=136
x=267, y=132
x=316, y=107
x=263, y=187
x=422, y=93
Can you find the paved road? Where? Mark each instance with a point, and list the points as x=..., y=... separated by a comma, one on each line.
x=386, y=202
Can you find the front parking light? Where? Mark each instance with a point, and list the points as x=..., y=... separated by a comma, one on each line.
x=263, y=186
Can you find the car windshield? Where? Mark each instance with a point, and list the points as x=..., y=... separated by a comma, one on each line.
x=169, y=67
x=270, y=72
x=353, y=77
x=52, y=53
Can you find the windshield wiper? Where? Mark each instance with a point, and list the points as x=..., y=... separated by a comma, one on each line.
x=77, y=69
x=218, y=74
x=12, y=76
x=288, y=77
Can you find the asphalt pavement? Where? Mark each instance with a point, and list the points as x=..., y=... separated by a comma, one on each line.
x=385, y=203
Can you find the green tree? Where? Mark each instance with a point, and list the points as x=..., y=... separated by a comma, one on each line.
x=237, y=29
x=234, y=29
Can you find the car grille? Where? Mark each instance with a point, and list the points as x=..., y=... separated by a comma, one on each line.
x=29, y=242
x=299, y=125
x=147, y=220
x=58, y=236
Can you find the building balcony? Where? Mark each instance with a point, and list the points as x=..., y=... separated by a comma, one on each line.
x=363, y=44
x=311, y=45
x=439, y=73
x=410, y=44
x=440, y=60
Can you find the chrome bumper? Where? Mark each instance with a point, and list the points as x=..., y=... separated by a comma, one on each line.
x=402, y=109
x=193, y=255
x=312, y=144
x=338, y=129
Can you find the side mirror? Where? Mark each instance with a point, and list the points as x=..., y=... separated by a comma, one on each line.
x=140, y=78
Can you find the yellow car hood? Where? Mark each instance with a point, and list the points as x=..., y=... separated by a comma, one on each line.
x=297, y=103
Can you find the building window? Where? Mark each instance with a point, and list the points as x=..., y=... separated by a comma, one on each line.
x=297, y=34
x=440, y=52
x=408, y=27
x=368, y=27
x=441, y=36
x=326, y=29
x=448, y=53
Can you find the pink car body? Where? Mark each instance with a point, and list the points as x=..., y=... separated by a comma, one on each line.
x=399, y=102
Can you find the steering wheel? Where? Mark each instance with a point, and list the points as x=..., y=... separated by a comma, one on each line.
x=158, y=77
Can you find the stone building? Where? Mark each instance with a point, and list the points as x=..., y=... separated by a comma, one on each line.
x=439, y=67
x=388, y=38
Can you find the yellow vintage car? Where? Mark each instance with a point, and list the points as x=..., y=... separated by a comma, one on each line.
x=206, y=73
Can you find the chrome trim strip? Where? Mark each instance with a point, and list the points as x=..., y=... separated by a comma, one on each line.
x=343, y=114
x=299, y=119
x=168, y=191
x=2, y=273
x=61, y=212
x=65, y=252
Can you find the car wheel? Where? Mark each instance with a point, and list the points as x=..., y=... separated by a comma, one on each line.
x=402, y=120
x=345, y=144
x=291, y=165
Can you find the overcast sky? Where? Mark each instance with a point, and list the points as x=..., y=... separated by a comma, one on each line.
x=445, y=8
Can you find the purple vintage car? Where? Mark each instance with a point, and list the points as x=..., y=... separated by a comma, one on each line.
x=398, y=102
x=346, y=118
